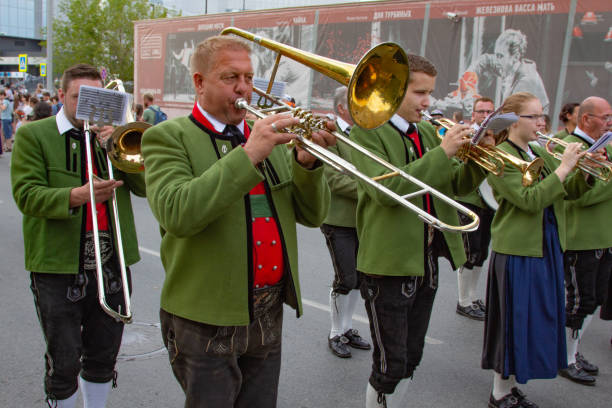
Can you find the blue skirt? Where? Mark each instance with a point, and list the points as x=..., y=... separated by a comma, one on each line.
x=535, y=311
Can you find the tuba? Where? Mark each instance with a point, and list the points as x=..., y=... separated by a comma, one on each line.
x=376, y=89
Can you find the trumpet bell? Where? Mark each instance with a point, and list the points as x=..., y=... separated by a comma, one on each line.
x=378, y=84
x=123, y=147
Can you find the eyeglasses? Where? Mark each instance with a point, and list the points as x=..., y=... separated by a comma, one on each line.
x=487, y=112
x=533, y=117
x=605, y=118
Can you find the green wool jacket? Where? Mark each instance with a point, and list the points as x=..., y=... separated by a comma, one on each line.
x=45, y=166
x=343, y=189
x=473, y=198
x=391, y=237
x=204, y=210
x=517, y=227
x=562, y=134
x=586, y=218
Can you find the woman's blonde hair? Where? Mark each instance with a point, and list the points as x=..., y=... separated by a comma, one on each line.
x=514, y=103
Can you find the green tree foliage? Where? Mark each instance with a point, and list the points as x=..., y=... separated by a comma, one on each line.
x=101, y=33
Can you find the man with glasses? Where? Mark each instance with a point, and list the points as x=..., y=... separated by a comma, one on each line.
x=588, y=254
x=476, y=243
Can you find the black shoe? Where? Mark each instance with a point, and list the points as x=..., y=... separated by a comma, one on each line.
x=355, y=340
x=577, y=374
x=480, y=304
x=339, y=346
x=586, y=366
x=522, y=399
x=472, y=311
x=509, y=401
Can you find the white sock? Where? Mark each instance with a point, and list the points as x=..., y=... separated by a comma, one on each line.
x=372, y=397
x=94, y=394
x=463, y=286
x=586, y=323
x=69, y=402
x=347, y=318
x=338, y=306
x=473, y=284
x=502, y=387
x=572, y=344
x=396, y=399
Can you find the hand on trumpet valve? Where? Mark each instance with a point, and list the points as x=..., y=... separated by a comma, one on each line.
x=267, y=133
x=597, y=158
x=455, y=138
x=571, y=155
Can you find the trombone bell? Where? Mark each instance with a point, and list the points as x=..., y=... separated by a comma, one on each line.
x=376, y=85
x=123, y=147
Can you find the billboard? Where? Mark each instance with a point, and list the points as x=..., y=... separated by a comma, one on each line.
x=560, y=50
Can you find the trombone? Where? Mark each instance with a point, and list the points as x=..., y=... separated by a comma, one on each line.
x=601, y=170
x=376, y=88
x=123, y=151
x=491, y=159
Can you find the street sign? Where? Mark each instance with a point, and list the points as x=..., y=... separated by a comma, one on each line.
x=23, y=62
x=43, y=69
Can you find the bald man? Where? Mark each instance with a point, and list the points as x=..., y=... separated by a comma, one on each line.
x=588, y=255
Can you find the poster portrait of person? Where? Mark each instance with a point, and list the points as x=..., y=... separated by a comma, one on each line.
x=504, y=71
x=177, y=76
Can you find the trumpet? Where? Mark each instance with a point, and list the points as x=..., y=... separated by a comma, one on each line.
x=377, y=85
x=491, y=159
x=601, y=170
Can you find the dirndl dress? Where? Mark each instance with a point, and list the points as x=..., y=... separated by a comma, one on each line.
x=525, y=322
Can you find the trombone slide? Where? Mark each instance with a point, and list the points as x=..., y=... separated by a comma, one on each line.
x=118, y=315
x=346, y=167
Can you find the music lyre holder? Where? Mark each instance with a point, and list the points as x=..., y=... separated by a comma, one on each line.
x=104, y=107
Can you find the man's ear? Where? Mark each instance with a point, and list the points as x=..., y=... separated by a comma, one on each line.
x=198, y=79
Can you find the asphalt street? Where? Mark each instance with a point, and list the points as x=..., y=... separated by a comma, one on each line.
x=311, y=377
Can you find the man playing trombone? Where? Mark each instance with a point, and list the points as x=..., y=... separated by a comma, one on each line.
x=588, y=253
x=49, y=180
x=398, y=253
x=227, y=198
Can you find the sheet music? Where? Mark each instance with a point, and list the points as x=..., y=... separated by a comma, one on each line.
x=102, y=106
x=601, y=142
x=496, y=124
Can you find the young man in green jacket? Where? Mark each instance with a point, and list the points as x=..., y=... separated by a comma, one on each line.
x=341, y=238
x=398, y=253
x=588, y=250
x=49, y=179
x=227, y=199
